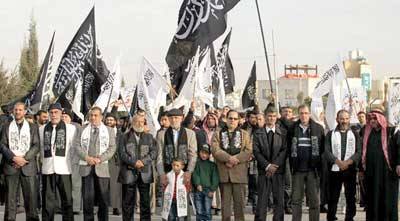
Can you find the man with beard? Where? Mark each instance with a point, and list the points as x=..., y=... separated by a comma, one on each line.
x=306, y=148
x=19, y=144
x=56, y=152
x=137, y=152
x=41, y=118
x=251, y=126
x=95, y=146
x=113, y=164
x=232, y=148
x=176, y=141
x=381, y=167
x=343, y=152
x=269, y=148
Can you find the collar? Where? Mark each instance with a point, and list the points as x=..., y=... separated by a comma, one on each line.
x=270, y=129
x=304, y=128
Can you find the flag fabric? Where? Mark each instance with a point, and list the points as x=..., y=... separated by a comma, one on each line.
x=135, y=102
x=81, y=50
x=41, y=94
x=394, y=103
x=358, y=101
x=224, y=65
x=152, y=90
x=110, y=90
x=199, y=24
x=330, y=82
x=39, y=97
x=250, y=91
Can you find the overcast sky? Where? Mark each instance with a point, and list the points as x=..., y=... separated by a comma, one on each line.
x=311, y=32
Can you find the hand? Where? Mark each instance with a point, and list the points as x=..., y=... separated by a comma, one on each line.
x=139, y=164
x=251, y=157
x=20, y=161
x=342, y=164
x=210, y=194
x=233, y=160
x=361, y=175
x=187, y=177
x=228, y=165
x=16, y=166
x=199, y=188
x=398, y=170
x=273, y=168
x=193, y=105
x=164, y=180
x=268, y=174
x=97, y=160
x=90, y=160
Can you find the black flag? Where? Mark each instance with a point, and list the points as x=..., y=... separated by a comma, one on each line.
x=81, y=50
x=199, y=24
x=249, y=92
x=224, y=65
x=135, y=103
x=39, y=96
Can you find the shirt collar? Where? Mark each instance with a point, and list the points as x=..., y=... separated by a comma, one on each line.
x=304, y=128
x=270, y=129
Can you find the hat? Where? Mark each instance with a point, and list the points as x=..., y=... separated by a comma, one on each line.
x=55, y=106
x=205, y=147
x=68, y=112
x=175, y=112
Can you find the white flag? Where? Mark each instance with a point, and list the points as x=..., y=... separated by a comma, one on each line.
x=330, y=83
x=152, y=91
x=110, y=90
x=394, y=103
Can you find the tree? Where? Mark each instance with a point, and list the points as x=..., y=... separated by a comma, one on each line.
x=300, y=97
x=29, y=60
x=3, y=84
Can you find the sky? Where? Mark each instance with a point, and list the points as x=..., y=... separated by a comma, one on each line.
x=310, y=32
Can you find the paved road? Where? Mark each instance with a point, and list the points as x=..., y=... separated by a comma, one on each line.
x=360, y=216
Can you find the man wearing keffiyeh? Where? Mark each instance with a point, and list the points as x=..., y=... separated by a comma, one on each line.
x=380, y=167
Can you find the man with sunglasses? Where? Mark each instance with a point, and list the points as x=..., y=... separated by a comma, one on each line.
x=232, y=147
x=380, y=167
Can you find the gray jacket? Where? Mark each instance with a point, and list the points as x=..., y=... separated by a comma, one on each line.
x=102, y=169
x=129, y=152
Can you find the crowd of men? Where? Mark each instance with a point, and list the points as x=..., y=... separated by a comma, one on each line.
x=269, y=159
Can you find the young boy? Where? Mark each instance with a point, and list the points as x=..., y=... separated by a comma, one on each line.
x=175, y=201
x=205, y=179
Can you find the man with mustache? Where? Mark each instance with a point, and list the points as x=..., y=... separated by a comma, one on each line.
x=136, y=152
x=343, y=152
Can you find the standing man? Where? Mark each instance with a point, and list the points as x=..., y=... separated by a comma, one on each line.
x=56, y=152
x=137, y=151
x=232, y=148
x=95, y=146
x=19, y=145
x=343, y=152
x=306, y=149
x=176, y=141
x=381, y=167
x=269, y=148
x=113, y=164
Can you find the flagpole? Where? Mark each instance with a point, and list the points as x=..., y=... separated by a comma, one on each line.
x=276, y=76
x=265, y=46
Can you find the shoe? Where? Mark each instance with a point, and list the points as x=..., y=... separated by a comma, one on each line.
x=116, y=212
x=288, y=210
x=323, y=209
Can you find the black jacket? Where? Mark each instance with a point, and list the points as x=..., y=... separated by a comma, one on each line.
x=317, y=143
x=265, y=154
x=128, y=156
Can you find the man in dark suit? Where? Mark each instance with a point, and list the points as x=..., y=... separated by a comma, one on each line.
x=19, y=145
x=137, y=151
x=269, y=148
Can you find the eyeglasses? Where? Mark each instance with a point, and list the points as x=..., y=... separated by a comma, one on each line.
x=232, y=118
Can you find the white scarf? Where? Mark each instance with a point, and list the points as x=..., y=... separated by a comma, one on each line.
x=181, y=195
x=19, y=141
x=337, y=146
x=103, y=136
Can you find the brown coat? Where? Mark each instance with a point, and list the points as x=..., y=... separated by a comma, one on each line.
x=237, y=174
